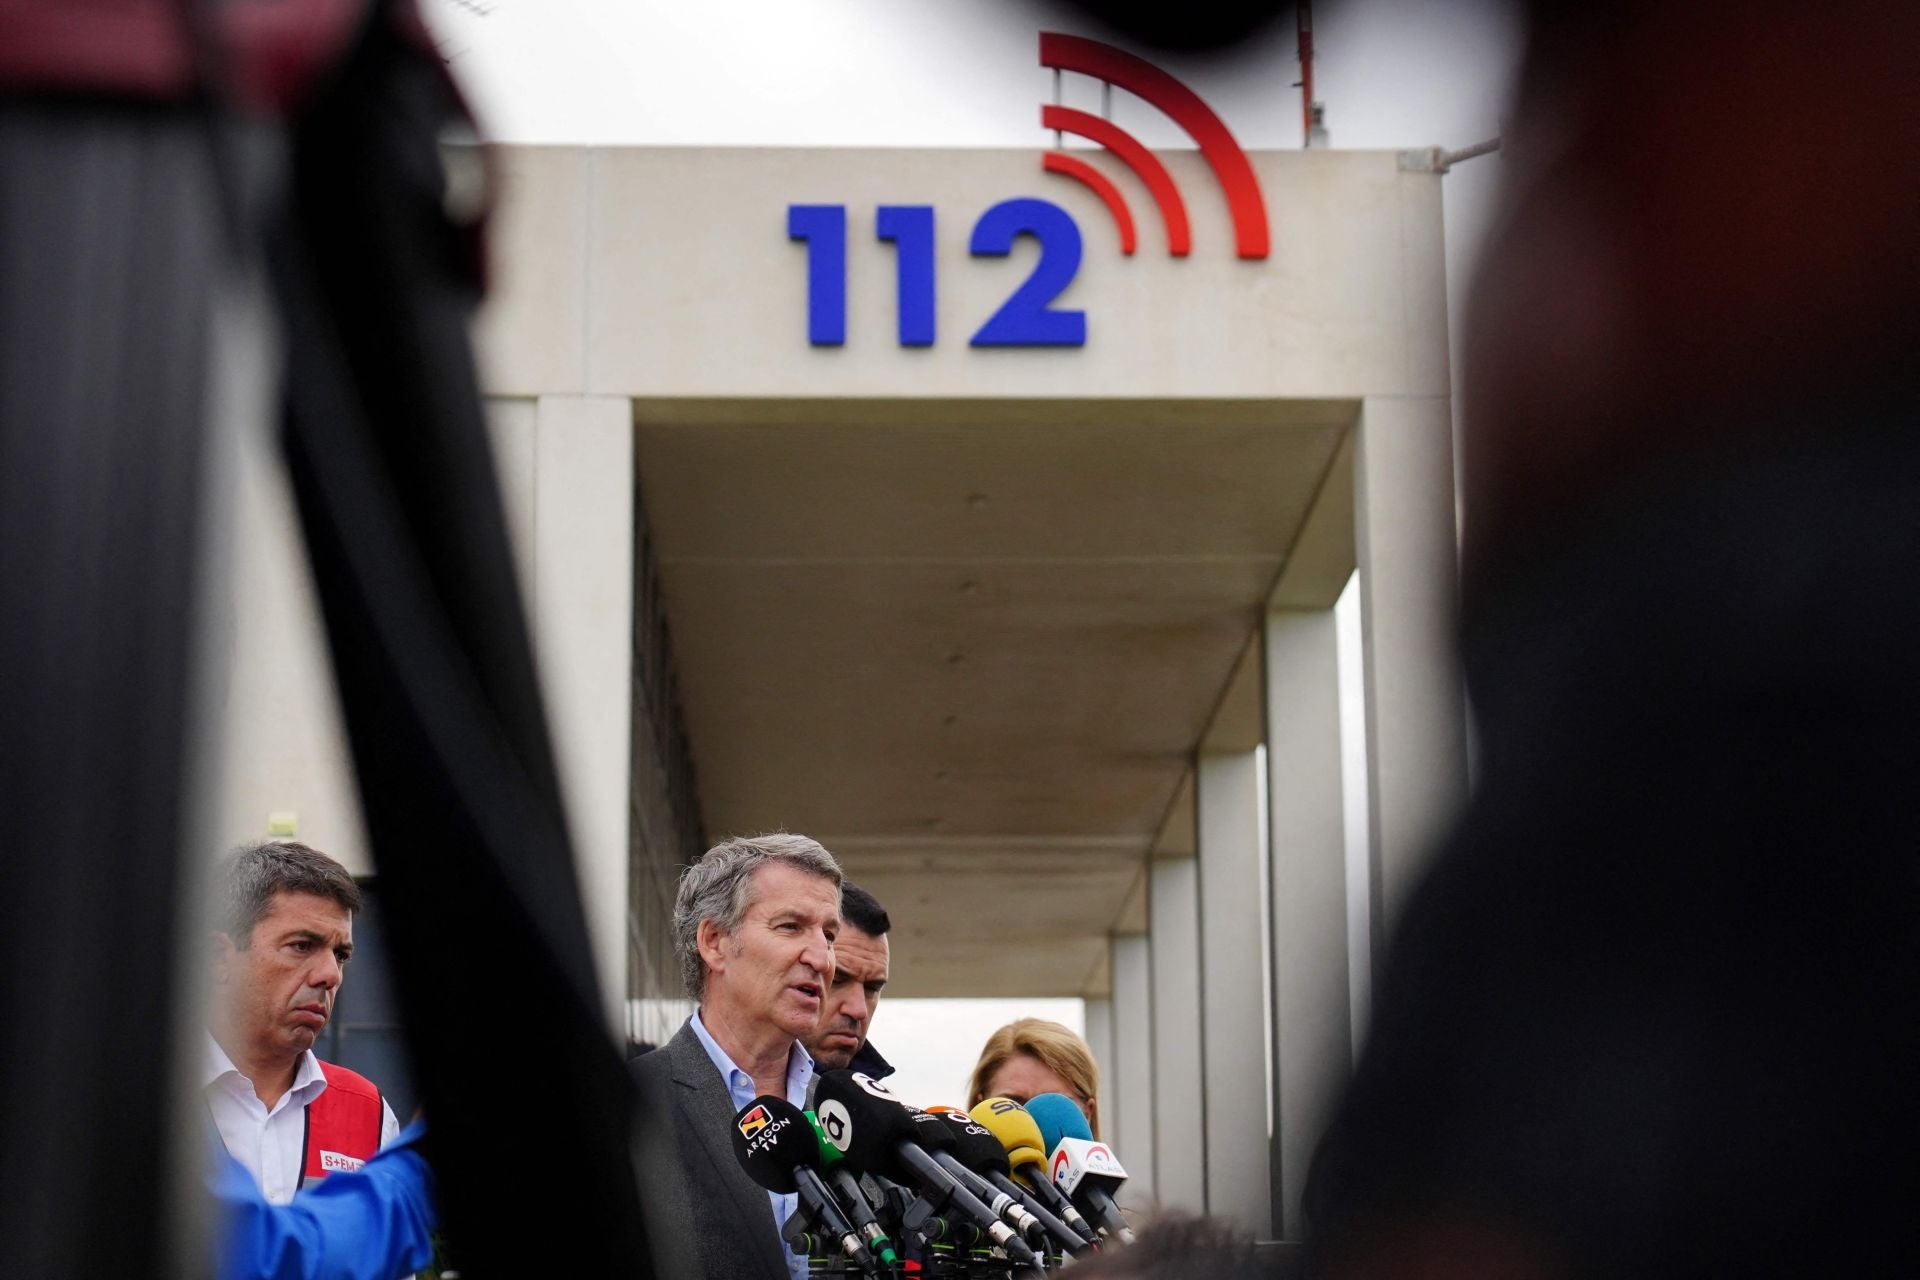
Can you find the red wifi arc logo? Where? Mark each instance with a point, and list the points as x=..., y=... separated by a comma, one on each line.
x=1184, y=107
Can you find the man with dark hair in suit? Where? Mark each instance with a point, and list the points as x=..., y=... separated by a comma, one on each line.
x=755, y=922
x=860, y=957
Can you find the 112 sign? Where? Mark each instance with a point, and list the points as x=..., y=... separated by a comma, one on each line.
x=1027, y=318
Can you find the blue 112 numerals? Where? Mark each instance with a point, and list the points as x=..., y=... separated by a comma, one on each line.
x=1026, y=319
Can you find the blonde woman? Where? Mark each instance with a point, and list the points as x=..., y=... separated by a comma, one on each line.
x=1033, y=1056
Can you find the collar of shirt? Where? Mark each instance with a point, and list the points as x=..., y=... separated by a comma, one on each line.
x=868, y=1062
x=740, y=1085
x=309, y=1082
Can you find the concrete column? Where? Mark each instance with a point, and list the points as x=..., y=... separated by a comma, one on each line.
x=1126, y=1110
x=1416, y=714
x=581, y=604
x=1312, y=1028
x=1234, y=990
x=284, y=759
x=1099, y=1024
x=1179, y=1099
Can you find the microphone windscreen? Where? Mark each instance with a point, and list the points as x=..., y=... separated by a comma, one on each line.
x=974, y=1145
x=868, y=1123
x=829, y=1154
x=1018, y=1135
x=1058, y=1117
x=771, y=1138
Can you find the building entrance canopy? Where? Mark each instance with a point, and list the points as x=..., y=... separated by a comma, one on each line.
x=963, y=612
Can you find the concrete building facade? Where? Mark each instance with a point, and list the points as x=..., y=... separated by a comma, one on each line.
x=1038, y=639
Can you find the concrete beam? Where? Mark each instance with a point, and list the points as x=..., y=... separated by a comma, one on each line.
x=1175, y=838
x=1323, y=556
x=1237, y=722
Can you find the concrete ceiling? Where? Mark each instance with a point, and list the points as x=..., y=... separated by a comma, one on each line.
x=970, y=646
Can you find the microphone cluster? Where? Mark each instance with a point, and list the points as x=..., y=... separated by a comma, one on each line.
x=888, y=1189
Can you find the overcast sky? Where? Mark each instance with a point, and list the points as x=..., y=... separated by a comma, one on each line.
x=965, y=73
x=912, y=73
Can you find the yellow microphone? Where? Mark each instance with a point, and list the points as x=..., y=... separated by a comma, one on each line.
x=1008, y=1121
x=1017, y=1131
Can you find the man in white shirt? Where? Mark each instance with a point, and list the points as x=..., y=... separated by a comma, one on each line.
x=285, y=934
x=755, y=922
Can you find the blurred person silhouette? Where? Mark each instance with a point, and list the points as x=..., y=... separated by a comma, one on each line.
x=204, y=203
x=1650, y=1012
x=1032, y=1056
x=1182, y=1246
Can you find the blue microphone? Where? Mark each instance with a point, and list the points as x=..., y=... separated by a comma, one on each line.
x=1079, y=1166
x=1058, y=1117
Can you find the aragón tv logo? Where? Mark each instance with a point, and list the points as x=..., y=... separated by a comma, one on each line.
x=1028, y=318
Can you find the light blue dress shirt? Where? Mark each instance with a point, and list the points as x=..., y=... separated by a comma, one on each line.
x=741, y=1089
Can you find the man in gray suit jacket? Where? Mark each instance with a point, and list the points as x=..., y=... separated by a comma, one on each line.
x=754, y=925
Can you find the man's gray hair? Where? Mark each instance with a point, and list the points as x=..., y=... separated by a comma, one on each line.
x=250, y=877
x=719, y=888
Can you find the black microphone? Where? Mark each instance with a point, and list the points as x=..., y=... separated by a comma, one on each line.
x=882, y=1135
x=969, y=1165
x=980, y=1151
x=861, y=1213
x=968, y=1169
x=778, y=1149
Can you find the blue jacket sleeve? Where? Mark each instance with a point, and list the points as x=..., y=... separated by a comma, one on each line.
x=373, y=1224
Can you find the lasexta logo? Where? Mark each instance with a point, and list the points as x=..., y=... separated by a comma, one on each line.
x=835, y=1123
x=869, y=1085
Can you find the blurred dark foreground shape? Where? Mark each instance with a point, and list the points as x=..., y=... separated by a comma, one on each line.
x=1652, y=1011
x=157, y=159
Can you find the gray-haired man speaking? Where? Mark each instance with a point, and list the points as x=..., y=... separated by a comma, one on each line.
x=754, y=925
